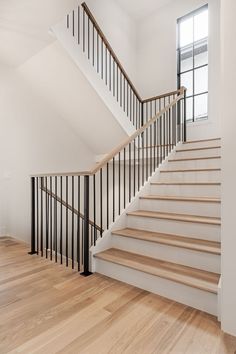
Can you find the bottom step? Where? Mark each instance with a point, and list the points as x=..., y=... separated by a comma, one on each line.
x=187, y=285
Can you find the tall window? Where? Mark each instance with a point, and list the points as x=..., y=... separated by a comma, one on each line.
x=193, y=62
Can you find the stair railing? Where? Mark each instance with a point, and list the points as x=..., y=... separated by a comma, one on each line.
x=70, y=211
x=90, y=38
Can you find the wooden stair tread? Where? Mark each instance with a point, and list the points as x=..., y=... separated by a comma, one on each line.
x=200, y=141
x=171, y=240
x=192, y=170
x=195, y=158
x=184, y=199
x=186, y=183
x=199, y=148
x=196, y=278
x=176, y=217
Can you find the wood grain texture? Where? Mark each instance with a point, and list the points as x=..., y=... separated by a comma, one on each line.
x=46, y=308
x=171, y=240
x=185, y=183
x=182, y=199
x=195, y=158
x=177, y=217
x=193, y=277
x=181, y=170
x=200, y=141
x=199, y=148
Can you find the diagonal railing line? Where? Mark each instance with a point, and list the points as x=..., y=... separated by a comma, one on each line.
x=121, y=146
x=69, y=207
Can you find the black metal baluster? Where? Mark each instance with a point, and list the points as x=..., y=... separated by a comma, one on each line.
x=101, y=205
x=134, y=122
x=113, y=77
x=61, y=221
x=78, y=227
x=124, y=106
x=169, y=128
x=107, y=196
x=155, y=143
x=143, y=158
x=94, y=209
x=119, y=185
x=86, y=271
x=102, y=49
x=55, y=220
x=93, y=46
x=106, y=65
x=41, y=217
x=139, y=162
x=124, y=178
x=134, y=167
x=46, y=214
x=150, y=130
x=67, y=241
x=130, y=172
x=37, y=212
x=120, y=88
x=73, y=23
x=78, y=25
x=127, y=98
x=113, y=196
x=130, y=103
x=68, y=21
x=117, y=83
x=33, y=215
x=109, y=70
x=147, y=143
x=98, y=60
x=72, y=221
x=185, y=122
x=83, y=30
x=88, y=39
x=50, y=200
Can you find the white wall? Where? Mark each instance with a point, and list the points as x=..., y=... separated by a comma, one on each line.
x=120, y=29
x=24, y=26
x=228, y=117
x=156, y=53
x=33, y=138
x=59, y=81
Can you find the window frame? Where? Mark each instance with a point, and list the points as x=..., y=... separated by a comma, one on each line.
x=179, y=72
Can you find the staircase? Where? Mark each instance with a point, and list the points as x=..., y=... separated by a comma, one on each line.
x=170, y=244
x=148, y=213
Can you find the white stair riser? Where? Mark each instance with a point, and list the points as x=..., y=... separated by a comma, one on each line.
x=198, y=153
x=186, y=190
x=200, y=260
x=211, y=163
x=203, y=176
x=195, y=298
x=181, y=207
x=188, y=229
x=201, y=144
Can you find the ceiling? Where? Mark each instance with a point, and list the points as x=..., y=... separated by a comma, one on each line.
x=138, y=9
x=24, y=27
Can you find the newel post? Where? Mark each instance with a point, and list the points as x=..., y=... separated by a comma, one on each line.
x=33, y=251
x=86, y=271
x=185, y=123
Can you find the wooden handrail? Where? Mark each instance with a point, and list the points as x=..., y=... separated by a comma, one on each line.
x=121, y=146
x=73, y=210
x=172, y=93
x=109, y=47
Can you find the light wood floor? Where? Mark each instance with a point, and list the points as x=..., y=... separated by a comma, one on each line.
x=45, y=308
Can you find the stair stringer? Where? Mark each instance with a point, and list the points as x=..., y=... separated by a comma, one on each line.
x=75, y=51
x=106, y=241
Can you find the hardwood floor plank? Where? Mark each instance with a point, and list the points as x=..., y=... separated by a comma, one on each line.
x=47, y=308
